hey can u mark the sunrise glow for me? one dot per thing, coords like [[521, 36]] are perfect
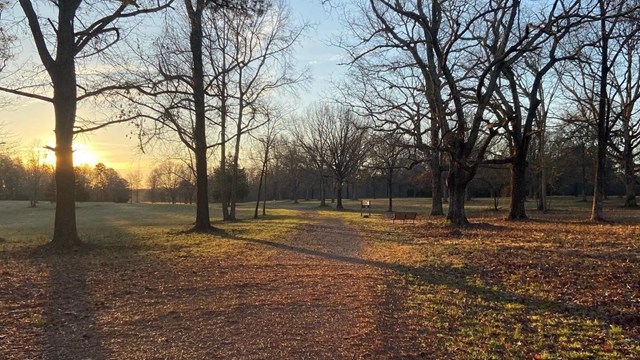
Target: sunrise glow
[[83, 154]]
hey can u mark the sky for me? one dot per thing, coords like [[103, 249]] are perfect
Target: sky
[[32, 122]]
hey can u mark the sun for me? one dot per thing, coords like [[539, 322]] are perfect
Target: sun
[[83, 154]]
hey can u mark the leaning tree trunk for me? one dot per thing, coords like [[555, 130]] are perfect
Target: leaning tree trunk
[[518, 188]]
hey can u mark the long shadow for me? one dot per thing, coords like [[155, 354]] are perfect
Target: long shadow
[[456, 278], [71, 327]]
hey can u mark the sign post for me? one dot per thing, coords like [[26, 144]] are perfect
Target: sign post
[[365, 204]]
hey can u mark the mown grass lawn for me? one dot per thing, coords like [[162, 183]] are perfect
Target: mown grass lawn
[[553, 287]]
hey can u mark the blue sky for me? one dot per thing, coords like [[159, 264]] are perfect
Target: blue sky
[[33, 120]]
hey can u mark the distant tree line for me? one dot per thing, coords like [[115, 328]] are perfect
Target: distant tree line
[[35, 181], [388, 166]]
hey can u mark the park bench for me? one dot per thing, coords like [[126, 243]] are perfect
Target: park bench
[[404, 216]]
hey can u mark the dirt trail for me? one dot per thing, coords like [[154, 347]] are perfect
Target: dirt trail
[[319, 298]]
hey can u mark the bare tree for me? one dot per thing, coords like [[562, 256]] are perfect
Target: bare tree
[[334, 141], [388, 153], [624, 142], [36, 168], [613, 28], [250, 57], [465, 54], [82, 30], [267, 141], [393, 98], [134, 178], [520, 90], [170, 174]]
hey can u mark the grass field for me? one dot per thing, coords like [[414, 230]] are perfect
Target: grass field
[[306, 282]]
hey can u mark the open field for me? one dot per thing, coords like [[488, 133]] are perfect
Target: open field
[[315, 283]]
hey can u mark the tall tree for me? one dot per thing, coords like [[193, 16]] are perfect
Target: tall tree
[[36, 168], [336, 141], [267, 141], [624, 98], [82, 29], [613, 27], [394, 100], [467, 54], [250, 55]]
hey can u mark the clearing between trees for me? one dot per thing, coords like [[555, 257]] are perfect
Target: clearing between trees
[[311, 283]]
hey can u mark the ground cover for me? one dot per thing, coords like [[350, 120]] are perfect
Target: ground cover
[[316, 283]]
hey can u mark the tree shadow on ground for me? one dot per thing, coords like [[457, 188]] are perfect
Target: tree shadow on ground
[[456, 278], [71, 327]]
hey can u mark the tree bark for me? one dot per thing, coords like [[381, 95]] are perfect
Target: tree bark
[[629, 183], [597, 209], [255, 213], [65, 233], [63, 76], [203, 222], [339, 195], [518, 188], [457, 181], [436, 176], [390, 188]]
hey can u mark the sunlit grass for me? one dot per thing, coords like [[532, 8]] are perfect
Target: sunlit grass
[[556, 287]]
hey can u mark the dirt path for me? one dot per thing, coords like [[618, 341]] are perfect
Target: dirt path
[[317, 297]]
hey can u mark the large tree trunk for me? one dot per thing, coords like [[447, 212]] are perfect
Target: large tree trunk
[[518, 188], [457, 183], [436, 178], [63, 76], [203, 223], [339, 195], [65, 231], [597, 210]]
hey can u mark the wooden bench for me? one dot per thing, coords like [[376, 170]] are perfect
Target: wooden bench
[[404, 216]]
